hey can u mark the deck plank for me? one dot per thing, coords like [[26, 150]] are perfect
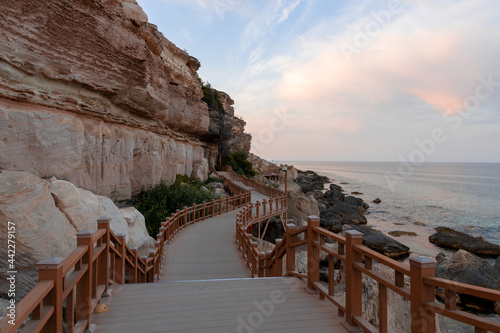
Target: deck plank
[[274, 305]]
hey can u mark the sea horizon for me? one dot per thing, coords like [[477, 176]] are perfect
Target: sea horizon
[[463, 196]]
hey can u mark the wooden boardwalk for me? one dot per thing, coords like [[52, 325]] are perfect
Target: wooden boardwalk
[[205, 287], [238, 305]]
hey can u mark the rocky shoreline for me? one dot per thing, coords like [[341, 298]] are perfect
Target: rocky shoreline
[[340, 211]]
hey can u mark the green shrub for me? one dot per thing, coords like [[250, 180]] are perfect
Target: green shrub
[[210, 96], [160, 201], [212, 179], [240, 164]]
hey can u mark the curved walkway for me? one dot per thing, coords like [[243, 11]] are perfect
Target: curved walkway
[[206, 287], [206, 250]]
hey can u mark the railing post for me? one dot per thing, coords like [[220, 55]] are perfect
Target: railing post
[[257, 204], [151, 271], [103, 260], [278, 269], [262, 264], [255, 260], [144, 277], [204, 208], [84, 287], [52, 269], [120, 263], [269, 268], [290, 251], [353, 296], [422, 321], [157, 259], [312, 254], [185, 217], [132, 272]]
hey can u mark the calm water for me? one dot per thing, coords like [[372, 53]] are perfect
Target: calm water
[[462, 196]]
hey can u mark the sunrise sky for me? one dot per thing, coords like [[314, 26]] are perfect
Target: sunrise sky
[[350, 80]]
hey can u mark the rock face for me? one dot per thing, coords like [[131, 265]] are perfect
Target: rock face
[[47, 216], [226, 130], [300, 205], [310, 181], [95, 87], [468, 268], [450, 238]]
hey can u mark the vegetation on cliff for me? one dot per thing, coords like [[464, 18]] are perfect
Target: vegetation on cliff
[[210, 96], [240, 163], [160, 201]]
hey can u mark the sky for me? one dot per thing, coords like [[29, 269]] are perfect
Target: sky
[[325, 80]]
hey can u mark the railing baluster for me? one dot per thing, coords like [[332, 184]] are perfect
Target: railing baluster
[[278, 261], [312, 254], [84, 286], [422, 320], [353, 277], [290, 251], [102, 261], [52, 269]]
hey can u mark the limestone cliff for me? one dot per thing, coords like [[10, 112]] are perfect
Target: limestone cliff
[[227, 130], [92, 93]]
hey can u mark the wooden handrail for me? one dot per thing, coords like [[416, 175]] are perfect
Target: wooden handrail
[[102, 258], [358, 260]]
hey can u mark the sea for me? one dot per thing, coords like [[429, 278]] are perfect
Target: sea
[[461, 196]]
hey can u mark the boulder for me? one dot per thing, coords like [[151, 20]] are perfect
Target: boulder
[[440, 256], [82, 208], [450, 238], [48, 214], [310, 181], [136, 229], [357, 203], [381, 243], [215, 185], [377, 201], [330, 223], [345, 214], [300, 205], [41, 229], [468, 268]]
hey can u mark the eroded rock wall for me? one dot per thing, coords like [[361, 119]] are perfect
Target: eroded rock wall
[[92, 93]]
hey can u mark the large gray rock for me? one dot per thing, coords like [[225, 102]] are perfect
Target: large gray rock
[[310, 181], [47, 216], [450, 238], [344, 214], [136, 230], [41, 229], [300, 205], [356, 203], [379, 242], [468, 268]]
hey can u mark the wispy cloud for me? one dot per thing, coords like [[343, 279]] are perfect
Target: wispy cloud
[[272, 15]]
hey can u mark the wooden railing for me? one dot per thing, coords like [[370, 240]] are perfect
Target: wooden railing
[[100, 259], [262, 188], [359, 260]]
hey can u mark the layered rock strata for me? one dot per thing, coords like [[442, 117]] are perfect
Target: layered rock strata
[[92, 93]]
